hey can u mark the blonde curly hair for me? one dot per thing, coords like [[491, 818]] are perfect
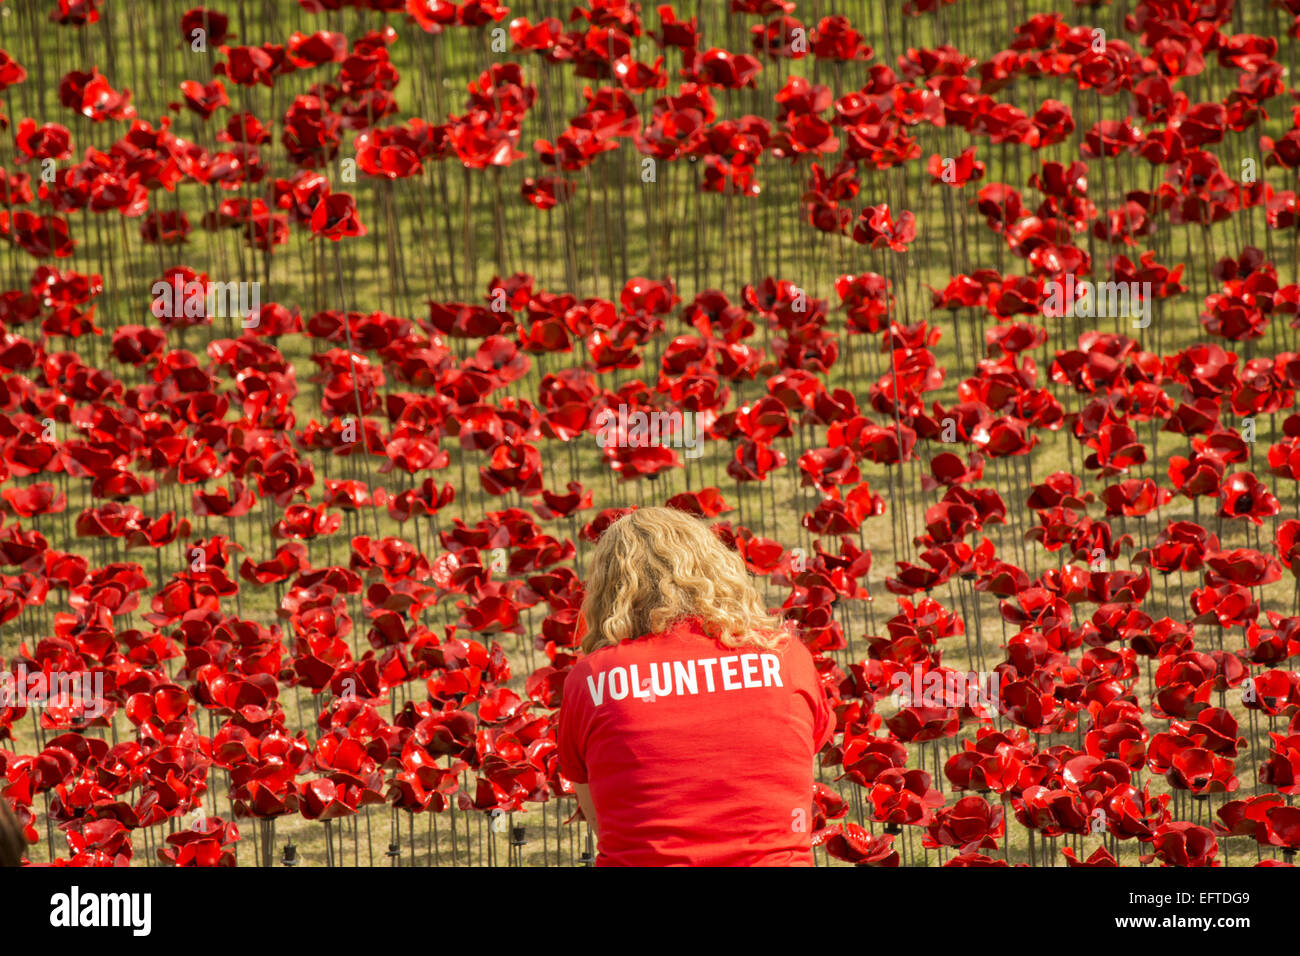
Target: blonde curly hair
[[655, 566]]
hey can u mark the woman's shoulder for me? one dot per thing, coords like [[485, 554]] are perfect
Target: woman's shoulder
[[691, 633], [593, 660], [799, 657], [782, 641]]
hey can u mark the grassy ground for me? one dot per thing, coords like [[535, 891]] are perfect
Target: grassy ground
[[618, 227]]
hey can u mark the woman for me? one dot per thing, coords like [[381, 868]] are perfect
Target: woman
[[12, 844], [690, 727]]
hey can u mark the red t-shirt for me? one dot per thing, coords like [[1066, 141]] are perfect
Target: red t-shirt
[[696, 753]]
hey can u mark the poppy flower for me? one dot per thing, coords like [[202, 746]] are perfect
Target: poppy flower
[[204, 98], [1242, 495], [876, 226], [1228, 605], [1180, 843], [719, 67], [835, 39], [957, 171], [48, 141], [40, 236], [971, 823], [215, 25], [335, 217], [547, 192], [90, 95], [851, 843], [11, 71], [1134, 497]]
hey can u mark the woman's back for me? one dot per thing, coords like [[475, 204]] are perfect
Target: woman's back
[[696, 752]]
